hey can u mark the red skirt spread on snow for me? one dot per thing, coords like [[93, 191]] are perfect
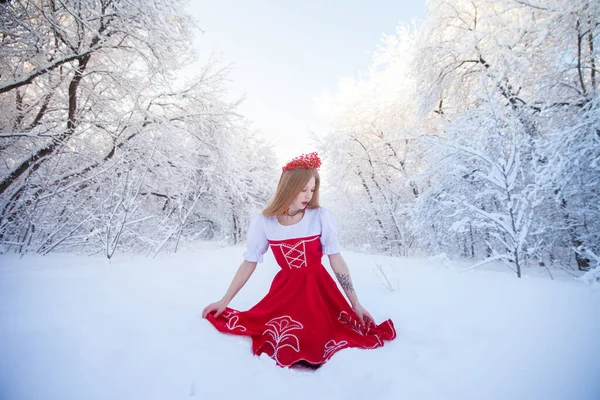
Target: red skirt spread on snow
[[304, 316]]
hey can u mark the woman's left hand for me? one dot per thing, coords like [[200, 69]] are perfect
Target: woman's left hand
[[363, 315]]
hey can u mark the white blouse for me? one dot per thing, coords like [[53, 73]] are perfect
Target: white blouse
[[316, 221]]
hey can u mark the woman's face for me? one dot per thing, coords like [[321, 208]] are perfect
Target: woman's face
[[301, 201]]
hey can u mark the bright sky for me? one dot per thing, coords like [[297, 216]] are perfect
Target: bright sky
[[284, 54]]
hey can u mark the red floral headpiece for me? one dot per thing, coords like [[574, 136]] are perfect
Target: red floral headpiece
[[308, 161]]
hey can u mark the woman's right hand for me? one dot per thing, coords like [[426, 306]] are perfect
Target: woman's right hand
[[218, 307]]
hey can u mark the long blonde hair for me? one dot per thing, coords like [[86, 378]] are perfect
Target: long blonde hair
[[291, 183]]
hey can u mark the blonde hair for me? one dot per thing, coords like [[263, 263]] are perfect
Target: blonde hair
[[291, 183]]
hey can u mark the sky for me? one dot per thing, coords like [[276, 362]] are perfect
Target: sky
[[284, 55]]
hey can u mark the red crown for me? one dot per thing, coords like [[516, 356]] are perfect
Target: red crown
[[307, 161]]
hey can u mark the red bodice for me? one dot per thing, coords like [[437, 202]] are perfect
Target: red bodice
[[297, 254]]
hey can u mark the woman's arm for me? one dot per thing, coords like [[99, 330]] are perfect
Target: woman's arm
[[342, 273], [242, 275]]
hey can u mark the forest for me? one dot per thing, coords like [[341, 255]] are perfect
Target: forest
[[475, 133]]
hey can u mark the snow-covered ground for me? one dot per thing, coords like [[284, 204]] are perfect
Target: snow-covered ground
[[76, 327]]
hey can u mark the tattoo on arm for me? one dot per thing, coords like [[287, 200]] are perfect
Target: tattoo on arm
[[345, 282]]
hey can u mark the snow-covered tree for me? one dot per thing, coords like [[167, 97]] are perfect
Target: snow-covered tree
[[103, 145], [496, 103], [485, 191], [367, 151]]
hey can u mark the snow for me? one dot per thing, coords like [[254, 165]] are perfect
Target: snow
[[77, 327]]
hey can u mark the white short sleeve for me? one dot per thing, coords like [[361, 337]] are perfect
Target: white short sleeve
[[257, 243], [329, 235]]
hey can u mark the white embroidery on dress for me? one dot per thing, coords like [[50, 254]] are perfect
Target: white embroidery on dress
[[378, 344], [232, 321], [331, 347], [392, 328], [232, 324], [281, 326], [295, 255], [354, 324], [363, 330]]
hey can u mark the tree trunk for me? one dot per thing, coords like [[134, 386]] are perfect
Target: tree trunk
[[35, 161]]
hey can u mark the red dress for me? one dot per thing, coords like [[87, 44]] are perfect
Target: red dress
[[304, 316]]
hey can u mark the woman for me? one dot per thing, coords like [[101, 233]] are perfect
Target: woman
[[304, 319]]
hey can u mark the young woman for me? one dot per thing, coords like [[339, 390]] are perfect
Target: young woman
[[304, 319]]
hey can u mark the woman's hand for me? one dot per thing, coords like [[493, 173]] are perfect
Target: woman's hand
[[218, 307], [363, 315]]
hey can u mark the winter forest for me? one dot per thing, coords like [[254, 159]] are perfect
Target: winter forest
[[474, 133]]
